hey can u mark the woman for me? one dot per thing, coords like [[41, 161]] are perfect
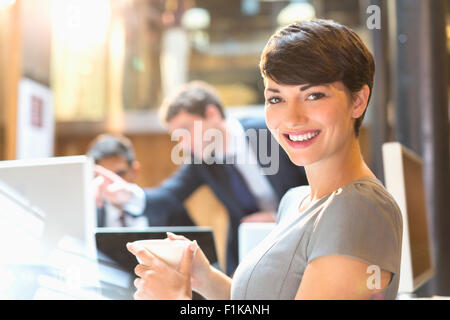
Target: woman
[[339, 237]]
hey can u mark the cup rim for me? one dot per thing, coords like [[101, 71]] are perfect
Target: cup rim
[[162, 241]]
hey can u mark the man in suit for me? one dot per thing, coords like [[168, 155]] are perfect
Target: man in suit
[[239, 160]]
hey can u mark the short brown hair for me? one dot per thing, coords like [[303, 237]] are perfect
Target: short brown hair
[[193, 98], [318, 52]]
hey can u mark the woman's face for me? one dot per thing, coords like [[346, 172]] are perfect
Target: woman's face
[[311, 123]]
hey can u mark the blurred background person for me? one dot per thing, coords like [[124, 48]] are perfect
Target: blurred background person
[[116, 154], [115, 157]]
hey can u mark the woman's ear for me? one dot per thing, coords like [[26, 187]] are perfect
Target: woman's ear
[[360, 101]]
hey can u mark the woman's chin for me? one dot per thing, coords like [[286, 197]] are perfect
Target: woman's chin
[[300, 161]]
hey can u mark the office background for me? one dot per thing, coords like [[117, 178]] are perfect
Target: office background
[[109, 63]]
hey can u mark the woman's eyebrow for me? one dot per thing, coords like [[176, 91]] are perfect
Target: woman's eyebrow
[[312, 85], [306, 87]]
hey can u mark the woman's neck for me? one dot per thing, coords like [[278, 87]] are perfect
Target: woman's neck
[[336, 171]]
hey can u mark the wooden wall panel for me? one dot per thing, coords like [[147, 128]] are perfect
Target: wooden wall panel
[[206, 210], [152, 151], [10, 71]]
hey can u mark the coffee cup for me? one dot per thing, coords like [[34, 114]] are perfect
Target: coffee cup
[[170, 251]]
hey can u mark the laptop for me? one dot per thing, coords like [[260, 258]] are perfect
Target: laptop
[[57, 191]]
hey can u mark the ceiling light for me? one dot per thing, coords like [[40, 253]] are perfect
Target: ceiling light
[[297, 10], [196, 19]]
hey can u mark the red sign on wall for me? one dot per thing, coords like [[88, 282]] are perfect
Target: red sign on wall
[[37, 112]]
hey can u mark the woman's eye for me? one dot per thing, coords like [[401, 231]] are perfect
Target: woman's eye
[[274, 100], [315, 96]]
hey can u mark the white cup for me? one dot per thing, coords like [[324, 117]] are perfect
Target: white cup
[[170, 251]]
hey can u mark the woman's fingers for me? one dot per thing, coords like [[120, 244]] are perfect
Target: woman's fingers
[[138, 283], [143, 254], [186, 260], [143, 271], [173, 236]]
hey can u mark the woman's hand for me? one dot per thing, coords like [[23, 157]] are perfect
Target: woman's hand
[[205, 279], [159, 281], [201, 266]]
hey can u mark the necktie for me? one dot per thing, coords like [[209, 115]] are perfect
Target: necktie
[[122, 218], [240, 190]]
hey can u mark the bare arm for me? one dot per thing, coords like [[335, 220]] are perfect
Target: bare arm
[[215, 286], [340, 277]]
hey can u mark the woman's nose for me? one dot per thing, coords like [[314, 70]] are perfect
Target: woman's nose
[[296, 114]]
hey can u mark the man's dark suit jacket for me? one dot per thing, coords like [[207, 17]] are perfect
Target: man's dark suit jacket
[[165, 203]]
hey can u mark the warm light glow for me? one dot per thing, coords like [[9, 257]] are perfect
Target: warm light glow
[[82, 23], [296, 11], [6, 3], [196, 19], [80, 34]]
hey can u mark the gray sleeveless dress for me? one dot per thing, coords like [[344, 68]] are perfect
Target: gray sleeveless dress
[[360, 220]]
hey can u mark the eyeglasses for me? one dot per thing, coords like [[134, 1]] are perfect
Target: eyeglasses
[[122, 173]]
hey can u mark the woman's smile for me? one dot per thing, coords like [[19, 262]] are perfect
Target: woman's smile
[[301, 139]]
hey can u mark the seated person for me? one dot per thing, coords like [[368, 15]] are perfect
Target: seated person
[[116, 154], [247, 193]]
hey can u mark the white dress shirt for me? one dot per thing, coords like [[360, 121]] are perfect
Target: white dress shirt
[[247, 165], [134, 208]]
